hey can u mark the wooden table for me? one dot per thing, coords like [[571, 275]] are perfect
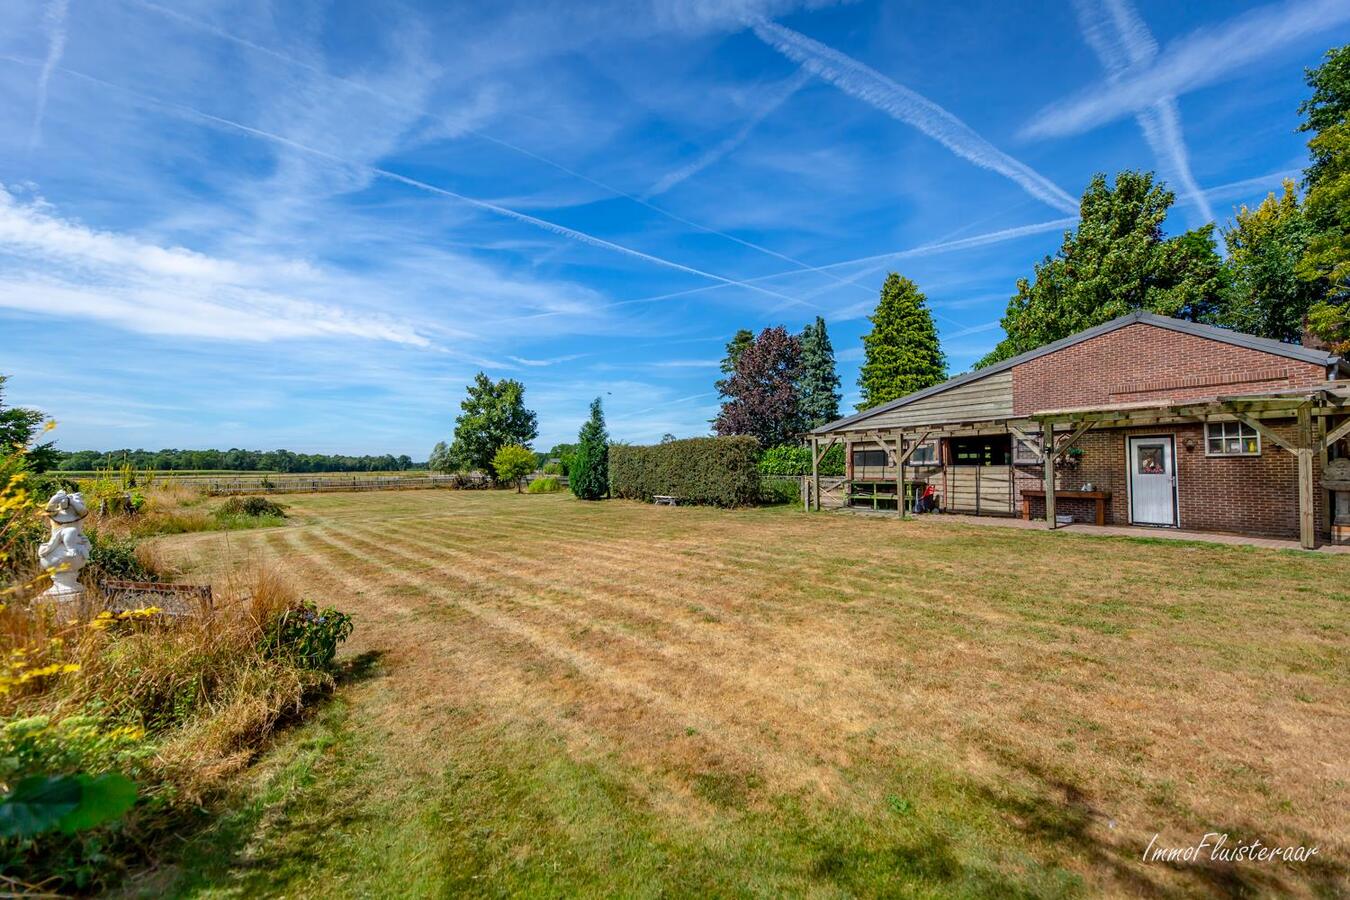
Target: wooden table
[[1101, 497]]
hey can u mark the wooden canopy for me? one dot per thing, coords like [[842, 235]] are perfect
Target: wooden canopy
[[1322, 414]]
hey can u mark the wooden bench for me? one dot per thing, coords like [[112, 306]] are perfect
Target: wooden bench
[[1100, 499], [172, 599], [665, 500]]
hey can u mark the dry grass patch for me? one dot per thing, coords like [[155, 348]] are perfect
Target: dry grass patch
[[618, 698]]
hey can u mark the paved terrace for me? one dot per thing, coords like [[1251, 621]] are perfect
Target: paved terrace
[[1134, 531]]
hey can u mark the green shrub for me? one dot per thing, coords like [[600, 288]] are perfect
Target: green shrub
[[554, 468], [66, 778], [306, 635], [115, 558], [549, 484], [716, 471], [781, 489], [788, 460], [251, 506]]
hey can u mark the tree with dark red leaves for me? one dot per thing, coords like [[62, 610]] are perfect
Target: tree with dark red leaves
[[761, 395]]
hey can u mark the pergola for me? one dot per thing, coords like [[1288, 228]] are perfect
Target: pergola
[[1322, 415]]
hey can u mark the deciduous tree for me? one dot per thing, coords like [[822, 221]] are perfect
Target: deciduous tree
[[512, 463], [1327, 206], [762, 393], [589, 474], [818, 389], [1116, 261], [19, 428], [902, 352], [1267, 297], [493, 416], [440, 459]]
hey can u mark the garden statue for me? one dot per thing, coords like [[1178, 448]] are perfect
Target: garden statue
[[66, 552]]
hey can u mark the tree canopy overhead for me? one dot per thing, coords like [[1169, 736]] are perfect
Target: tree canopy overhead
[[1266, 296], [902, 352], [818, 387], [493, 416], [1117, 260], [1326, 262], [19, 428], [761, 395]]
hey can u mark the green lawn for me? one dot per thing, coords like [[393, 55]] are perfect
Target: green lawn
[[550, 698]]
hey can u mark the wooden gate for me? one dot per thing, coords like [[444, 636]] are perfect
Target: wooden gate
[[981, 490]]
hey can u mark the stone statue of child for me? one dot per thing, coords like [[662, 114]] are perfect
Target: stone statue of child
[[66, 552]]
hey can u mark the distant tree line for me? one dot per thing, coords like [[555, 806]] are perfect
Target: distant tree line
[[235, 460]]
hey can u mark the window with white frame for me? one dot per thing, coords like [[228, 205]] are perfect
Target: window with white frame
[[1231, 439], [926, 454]]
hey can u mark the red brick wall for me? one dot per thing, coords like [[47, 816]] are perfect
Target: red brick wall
[[1142, 363], [1241, 494]]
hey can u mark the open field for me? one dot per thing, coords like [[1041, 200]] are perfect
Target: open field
[[619, 699]]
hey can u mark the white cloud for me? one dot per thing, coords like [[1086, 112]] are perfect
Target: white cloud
[[1204, 57], [905, 105]]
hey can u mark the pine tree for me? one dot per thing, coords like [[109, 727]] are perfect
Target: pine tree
[[735, 347], [588, 475], [818, 389], [902, 353]]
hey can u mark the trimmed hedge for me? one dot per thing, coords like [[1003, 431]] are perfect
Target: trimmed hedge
[[797, 461], [714, 471]]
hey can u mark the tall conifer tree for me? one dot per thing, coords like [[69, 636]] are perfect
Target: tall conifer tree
[[902, 350], [588, 474], [818, 389]]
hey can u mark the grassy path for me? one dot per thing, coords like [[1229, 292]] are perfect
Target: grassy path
[[554, 698]]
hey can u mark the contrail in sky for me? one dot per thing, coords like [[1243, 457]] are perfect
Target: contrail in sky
[[1123, 43], [779, 97], [55, 20], [899, 102], [1204, 57], [507, 145], [555, 228]]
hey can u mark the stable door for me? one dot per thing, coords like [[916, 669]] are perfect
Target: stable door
[[1153, 481]]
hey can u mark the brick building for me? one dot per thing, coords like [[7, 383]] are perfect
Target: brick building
[[1149, 421]]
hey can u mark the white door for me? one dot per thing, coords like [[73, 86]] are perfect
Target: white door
[[1153, 481]]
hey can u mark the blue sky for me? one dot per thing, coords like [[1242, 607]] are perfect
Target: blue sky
[[307, 225]]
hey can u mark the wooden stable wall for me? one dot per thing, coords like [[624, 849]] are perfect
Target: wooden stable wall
[[984, 398]]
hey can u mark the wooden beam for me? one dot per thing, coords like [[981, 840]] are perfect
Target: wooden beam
[[1048, 435], [1265, 432], [834, 439], [1073, 438], [1335, 434], [1026, 439], [899, 473], [914, 445], [1307, 520]]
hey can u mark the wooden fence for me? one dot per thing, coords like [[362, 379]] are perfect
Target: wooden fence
[[308, 484]]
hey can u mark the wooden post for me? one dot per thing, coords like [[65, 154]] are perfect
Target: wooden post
[[814, 490], [1307, 516], [1048, 454], [900, 475]]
